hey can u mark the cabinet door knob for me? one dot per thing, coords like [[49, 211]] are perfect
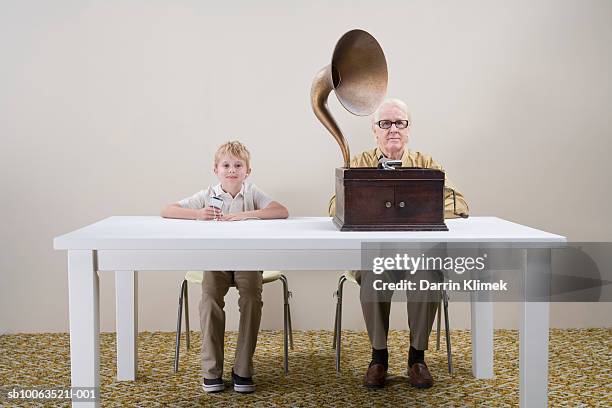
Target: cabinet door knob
[[402, 204], [388, 204]]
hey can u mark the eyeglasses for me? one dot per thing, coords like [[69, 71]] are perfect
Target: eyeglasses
[[399, 124]]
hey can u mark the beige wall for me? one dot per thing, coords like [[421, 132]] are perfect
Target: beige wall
[[115, 109]]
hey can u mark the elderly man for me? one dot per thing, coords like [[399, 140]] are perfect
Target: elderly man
[[391, 128]]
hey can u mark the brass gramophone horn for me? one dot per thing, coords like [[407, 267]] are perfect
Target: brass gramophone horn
[[358, 74]]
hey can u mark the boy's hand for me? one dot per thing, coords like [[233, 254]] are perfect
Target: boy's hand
[[208, 213], [234, 217]]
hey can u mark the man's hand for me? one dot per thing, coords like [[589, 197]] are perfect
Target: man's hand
[[208, 213]]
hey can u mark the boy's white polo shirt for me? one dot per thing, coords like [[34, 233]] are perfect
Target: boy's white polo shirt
[[231, 204]]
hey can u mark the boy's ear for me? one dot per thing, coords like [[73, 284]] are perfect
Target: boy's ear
[[215, 169], [248, 172]]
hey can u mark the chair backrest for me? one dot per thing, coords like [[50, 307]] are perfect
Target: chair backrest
[[351, 276], [194, 277]]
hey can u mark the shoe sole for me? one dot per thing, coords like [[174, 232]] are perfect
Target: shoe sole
[[244, 389], [421, 386], [213, 388]]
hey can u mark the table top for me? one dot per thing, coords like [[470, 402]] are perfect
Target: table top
[[157, 233]]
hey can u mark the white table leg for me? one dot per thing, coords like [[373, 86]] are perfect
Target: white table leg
[[482, 337], [533, 335], [126, 288], [83, 293]]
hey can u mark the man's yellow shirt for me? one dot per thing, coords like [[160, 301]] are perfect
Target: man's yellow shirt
[[369, 158]]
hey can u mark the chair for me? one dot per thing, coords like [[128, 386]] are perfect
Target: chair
[[197, 277], [350, 276]]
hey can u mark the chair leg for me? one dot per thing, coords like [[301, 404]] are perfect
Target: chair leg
[[338, 329], [290, 327], [178, 326], [439, 323], [283, 279], [447, 333], [187, 331], [335, 321], [289, 294]]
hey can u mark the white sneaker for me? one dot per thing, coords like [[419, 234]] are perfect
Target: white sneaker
[[214, 385], [243, 385]]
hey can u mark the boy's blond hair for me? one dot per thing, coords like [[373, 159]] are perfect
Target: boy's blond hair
[[236, 149]]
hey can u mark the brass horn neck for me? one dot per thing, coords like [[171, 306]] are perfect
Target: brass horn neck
[[322, 85], [358, 74]]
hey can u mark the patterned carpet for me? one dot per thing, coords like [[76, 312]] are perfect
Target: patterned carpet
[[580, 371]]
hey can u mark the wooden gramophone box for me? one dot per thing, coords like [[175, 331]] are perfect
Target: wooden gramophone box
[[404, 199]]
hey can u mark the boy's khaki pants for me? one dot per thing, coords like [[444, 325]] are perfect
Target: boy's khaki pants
[[212, 320]]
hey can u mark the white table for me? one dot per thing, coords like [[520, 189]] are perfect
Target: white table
[[130, 244]]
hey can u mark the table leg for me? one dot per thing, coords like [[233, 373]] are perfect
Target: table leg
[[126, 288], [84, 302], [482, 337], [533, 331]]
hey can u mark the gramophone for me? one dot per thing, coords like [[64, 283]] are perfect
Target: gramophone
[[372, 199]]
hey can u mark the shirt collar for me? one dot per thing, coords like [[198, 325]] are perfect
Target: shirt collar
[[218, 190], [405, 154]]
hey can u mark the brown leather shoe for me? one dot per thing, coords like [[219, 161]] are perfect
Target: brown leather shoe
[[419, 376], [375, 376]]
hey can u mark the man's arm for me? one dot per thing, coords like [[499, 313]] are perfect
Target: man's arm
[[457, 207], [453, 207], [331, 208]]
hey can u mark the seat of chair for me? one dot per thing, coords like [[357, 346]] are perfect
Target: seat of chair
[[351, 276], [198, 276]]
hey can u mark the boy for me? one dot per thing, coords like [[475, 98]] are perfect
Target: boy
[[241, 200]]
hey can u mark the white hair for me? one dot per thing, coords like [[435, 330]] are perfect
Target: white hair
[[391, 102]]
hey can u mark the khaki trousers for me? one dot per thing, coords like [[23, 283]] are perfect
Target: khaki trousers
[[422, 308], [212, 320]]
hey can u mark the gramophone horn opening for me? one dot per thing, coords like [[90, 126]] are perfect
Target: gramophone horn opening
[[362, 69]]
